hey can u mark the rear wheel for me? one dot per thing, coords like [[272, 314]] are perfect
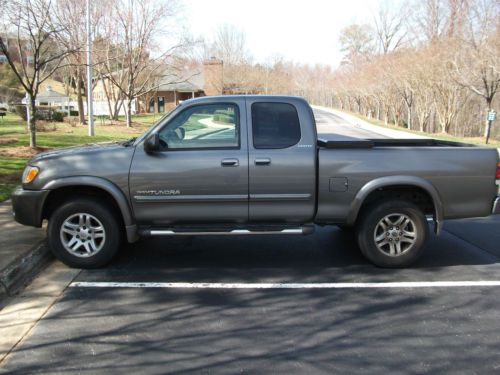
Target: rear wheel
[[84, 233], [392, 233]]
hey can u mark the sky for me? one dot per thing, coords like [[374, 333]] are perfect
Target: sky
[[304, 31]]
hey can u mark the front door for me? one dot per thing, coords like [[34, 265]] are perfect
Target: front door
[[201, 173], [161, 104]]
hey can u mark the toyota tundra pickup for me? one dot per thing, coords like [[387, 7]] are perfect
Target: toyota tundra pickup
[[253, 165]]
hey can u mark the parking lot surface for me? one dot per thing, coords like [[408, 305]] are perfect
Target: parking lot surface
[[141, 326]]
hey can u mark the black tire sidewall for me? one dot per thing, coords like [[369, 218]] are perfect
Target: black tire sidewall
[[104, 214], [370, 218]]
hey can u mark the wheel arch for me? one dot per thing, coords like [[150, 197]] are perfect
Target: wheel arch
[[71, 186], [398, 184]]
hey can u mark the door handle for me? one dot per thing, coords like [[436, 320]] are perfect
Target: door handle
[[230, 162], [262, 161]]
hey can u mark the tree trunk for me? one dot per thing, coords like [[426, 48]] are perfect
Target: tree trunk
[[128, 111], [32, 120], [487, 129], [408, 120], [79, 99]]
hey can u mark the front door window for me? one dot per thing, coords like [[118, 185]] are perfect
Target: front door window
[[203, 126]]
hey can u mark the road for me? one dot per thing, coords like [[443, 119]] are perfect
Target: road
[[329, 123], [266, 316]]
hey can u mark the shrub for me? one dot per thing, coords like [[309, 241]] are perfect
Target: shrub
[[20, 109], [73, 113], [57, 116], [219, 117]]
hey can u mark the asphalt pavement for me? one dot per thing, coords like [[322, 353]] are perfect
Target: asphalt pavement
[[330, 123], [250, 305]]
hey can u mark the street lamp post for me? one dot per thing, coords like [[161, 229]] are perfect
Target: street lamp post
[[90, 110]]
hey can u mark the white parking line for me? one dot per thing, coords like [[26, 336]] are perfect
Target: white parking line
[[403, 284]]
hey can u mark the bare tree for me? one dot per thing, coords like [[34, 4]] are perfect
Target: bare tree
[[30, 48], [356, 43], [230, 45], [137, 63], [390, 26], [477, 66], [430, 17], [69, 14]]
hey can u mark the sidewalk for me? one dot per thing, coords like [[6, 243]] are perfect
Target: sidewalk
[[22, 251], [365, 125]]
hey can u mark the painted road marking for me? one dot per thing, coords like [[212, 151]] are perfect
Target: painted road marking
[[403, 284]]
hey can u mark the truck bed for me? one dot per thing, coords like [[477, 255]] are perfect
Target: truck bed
[[336, 141], [464, 175]]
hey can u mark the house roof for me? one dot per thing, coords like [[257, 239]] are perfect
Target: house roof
[[186, 81], [50, 95]]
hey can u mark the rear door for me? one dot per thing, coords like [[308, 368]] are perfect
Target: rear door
[[282, 160], [201, 173]]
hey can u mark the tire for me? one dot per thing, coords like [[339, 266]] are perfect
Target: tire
[[392, 234], [84, 233]]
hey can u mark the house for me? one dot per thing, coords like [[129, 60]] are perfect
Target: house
[[191, 82]]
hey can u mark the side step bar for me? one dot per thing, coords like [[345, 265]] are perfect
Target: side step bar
[[233, 232]]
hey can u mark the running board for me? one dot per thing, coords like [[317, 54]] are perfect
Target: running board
[[233, 232]]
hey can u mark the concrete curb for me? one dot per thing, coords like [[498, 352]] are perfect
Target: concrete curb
[[23, 269]]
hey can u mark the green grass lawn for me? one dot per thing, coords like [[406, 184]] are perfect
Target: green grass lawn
[[144, 118], [14, 142], [441, 136]]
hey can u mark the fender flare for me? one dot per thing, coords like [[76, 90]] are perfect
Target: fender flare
[[409, 181], [107, 186]]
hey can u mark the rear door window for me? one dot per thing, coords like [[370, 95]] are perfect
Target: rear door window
[[275, 125]]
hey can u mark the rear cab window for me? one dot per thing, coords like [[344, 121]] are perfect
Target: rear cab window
[[275, 125]]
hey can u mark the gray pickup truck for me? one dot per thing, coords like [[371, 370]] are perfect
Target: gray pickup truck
[[243, 165]]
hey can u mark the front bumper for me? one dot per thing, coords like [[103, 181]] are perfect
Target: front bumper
[[496, 206], [27, 206]]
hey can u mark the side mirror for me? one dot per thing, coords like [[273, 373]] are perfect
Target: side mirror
[[152, 143]]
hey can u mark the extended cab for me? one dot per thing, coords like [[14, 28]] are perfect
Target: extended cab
[[235, 165]]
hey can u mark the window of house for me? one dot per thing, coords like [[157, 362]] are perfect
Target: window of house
[[274, 125], [151, 108], [203, 126]]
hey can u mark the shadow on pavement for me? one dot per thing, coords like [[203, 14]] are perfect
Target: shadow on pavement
[[326, 256]]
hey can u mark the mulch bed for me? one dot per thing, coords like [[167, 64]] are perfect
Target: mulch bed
[[22, 151]]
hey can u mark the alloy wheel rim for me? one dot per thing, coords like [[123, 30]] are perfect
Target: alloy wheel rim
[[395, 234], [82, 235]]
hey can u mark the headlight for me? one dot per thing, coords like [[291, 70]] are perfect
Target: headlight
[[29, 174]]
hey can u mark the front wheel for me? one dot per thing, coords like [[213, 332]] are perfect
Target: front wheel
[[84, 234], [392, 233]]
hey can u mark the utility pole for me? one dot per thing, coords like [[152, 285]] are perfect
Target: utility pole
[[90, 110]]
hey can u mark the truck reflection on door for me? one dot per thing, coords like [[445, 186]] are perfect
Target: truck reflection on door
[[161, 104]]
